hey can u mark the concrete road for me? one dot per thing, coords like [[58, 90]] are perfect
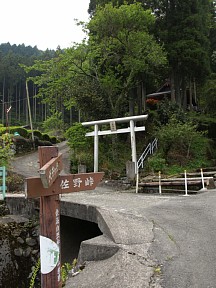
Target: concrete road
[[164, 241], [185, 240], [28, 165]]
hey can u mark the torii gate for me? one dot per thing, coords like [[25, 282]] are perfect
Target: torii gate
[[113, 130]]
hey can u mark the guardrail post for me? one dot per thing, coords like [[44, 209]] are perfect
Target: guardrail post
[[159, 182], [186, 193], [203, 185]]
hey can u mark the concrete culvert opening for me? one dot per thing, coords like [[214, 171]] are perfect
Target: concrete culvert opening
[[73, 232]]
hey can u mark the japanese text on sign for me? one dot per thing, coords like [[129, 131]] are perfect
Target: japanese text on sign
[[65, 183], [57, 214], [53, 172]]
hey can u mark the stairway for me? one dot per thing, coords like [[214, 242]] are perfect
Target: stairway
[[149, 150]]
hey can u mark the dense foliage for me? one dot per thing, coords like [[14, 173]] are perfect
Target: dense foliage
[[13, 79], [132, 48], [81, 147], [182, 146], [5, 150]]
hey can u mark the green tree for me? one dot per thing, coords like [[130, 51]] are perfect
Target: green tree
[[54, 124], [183, 27], [123, 50], [209, 96], [80, 145], [99, 76], [12, 80]]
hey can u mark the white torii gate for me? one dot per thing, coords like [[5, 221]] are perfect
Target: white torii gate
[[113, 130]]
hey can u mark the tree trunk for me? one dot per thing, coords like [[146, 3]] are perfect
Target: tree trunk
[[139, 99], [172, 84], [143, 93], [190, 95], [195, 92], [131, 102]]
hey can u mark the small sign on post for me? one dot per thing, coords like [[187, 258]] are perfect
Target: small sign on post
[[50, 171], [48, 187]]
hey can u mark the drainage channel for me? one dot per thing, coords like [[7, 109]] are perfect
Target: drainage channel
[[73, 232]]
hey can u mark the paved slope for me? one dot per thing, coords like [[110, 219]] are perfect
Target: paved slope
[[28, 165]]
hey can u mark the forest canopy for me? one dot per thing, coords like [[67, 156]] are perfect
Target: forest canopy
[[132, 49]]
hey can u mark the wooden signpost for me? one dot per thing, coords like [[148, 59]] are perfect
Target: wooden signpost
[[48, 187]]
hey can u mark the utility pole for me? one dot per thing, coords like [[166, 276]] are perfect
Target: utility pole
[[29, 109]]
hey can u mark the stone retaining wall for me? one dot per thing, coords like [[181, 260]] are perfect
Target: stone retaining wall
[[19, 250]]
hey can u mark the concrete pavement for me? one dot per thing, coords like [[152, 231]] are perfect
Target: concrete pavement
[[161, 241], [28, 165]]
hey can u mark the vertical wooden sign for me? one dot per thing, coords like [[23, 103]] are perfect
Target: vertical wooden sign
[[50, 221]]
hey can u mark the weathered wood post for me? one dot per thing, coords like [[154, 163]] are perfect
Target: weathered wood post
[[48, 187], [50, 215]]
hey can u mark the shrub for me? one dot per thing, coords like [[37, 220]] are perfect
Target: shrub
[[22, 144], [39, 142], [180, 143], [14, 182], [54, 125], [2, 130], [53, 139], [37, 134], [22, 131], [157, 163], [167, 109], [80, 146], [46, 137], [6, 153], [76, 137]]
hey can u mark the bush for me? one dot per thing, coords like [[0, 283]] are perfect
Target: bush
[[53, 139], [181, 143], [22, 131], [37, 134], [2, 130], [5, 150], [22, 144], [54, 125], [39, 142], [76, 137], [166, 109], [157, 163], [81, 148], [14, 182], [45, 137]]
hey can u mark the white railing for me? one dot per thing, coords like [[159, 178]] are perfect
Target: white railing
[[148, 150]]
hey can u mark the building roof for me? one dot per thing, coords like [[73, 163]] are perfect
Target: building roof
[[158, 94]]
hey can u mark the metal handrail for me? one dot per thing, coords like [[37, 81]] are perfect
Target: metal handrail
[[148, 150]]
